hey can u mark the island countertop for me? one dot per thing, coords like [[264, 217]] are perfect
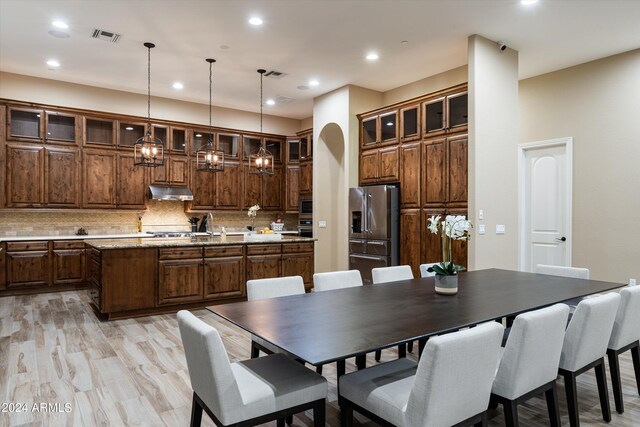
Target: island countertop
[[105, 244]]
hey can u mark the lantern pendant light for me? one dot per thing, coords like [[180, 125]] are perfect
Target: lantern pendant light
[[148, 151], [209, 158], [261, 162]]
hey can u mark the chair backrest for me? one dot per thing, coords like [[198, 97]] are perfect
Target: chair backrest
[[391, 274], [532, 354], [274, 288], [454, 377], [626, 328], [556, 270], [336, 280], [588, 333], [424, 268], [209, 368]]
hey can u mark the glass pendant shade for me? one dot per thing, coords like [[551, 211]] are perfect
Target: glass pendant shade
[[209, 158], [261, 163], [148, 151]]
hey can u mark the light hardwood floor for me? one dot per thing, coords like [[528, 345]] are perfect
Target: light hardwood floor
[[53, 349]]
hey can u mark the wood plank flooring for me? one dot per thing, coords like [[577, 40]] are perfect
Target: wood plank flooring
[[133, 372]]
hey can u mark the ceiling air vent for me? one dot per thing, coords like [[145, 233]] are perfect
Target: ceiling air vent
[[283, 99], [107, 36], [275, 74]]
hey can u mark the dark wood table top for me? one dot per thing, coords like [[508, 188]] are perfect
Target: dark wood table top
[[323, 327]]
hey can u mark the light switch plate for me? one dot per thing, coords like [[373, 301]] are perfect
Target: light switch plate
[[481, 215], [481, 229], [322, 224], [500, 229]]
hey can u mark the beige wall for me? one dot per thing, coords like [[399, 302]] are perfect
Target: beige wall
[[598, 104], [493, 138], [306, 123], [427, 85], [33, 89]]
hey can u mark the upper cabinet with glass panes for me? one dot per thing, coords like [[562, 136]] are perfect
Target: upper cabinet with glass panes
[[444, 114], [229, 143], [379, 129], [306, 144], [129, 132], [31, 125], [200, 138]]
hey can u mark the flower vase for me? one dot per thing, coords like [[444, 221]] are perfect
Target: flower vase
[[446, 285]]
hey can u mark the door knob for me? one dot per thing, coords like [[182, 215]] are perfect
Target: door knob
[[562, 239]]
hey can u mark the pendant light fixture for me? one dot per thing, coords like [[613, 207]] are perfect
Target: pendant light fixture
[[209, 158], [148, 151], [261, 163]]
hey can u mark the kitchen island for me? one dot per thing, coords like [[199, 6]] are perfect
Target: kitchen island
[[135, 277]]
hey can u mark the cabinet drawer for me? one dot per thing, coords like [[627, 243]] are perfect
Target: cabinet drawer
[[223, 251], [180, 253], [263, 249], [289, 248], [41, 245], [68, 244]]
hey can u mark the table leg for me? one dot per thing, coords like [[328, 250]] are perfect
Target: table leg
[[341, 367], [361, 361]]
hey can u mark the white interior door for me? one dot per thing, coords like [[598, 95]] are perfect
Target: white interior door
[[545, 203]]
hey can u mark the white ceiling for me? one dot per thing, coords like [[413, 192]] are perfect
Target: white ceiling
[[306, 39]]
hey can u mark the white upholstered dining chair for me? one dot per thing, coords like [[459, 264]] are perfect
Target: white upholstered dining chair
[[529, 364], [625, 336], [573, 272], [333, 280], [584, 347], [391, 274], [250, 392], [258, 289], [448, 386], [424, 270]]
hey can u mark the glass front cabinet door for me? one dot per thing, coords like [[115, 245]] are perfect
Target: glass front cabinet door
[[410, 123], [24, 124]]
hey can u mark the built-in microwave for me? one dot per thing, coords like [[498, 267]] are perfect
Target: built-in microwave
[[305, 228], [306, 207]]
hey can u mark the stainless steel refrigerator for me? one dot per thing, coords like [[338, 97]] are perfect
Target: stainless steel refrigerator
[[375, 228]]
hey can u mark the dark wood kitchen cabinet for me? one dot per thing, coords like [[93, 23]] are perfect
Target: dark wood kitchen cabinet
[[411, 231], [179, 280], [25, 178], [432, 243], [272, 190], [224, 272], [292, 190], [306, 178], [25, 124], [99, 179], [263, 266], [61, 128], [445, 113], [380, 166], [379, 129], [27, 264], [62, 177], [69, 260], [131, 183], [410, 123], [99, 132], [457, 163], [410, 175], [203, 188], [174, 172], [252, 188], [297, 260], [228, 193], [434, 173]]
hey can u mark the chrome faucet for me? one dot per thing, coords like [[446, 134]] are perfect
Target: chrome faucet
[[210, 224]]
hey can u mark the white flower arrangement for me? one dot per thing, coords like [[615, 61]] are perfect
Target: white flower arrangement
[[452, 228], [253, 211]]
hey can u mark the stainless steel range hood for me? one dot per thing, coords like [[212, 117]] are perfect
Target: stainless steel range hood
[[158, 192]]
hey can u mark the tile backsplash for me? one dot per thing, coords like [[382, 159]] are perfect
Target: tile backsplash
[[159, 216]]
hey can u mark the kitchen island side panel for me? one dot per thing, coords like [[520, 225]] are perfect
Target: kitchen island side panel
[[129, 279]]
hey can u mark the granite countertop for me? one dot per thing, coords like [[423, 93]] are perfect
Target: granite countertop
[[108, 236], [187, 241]]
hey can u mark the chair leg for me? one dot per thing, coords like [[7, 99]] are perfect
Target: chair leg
[[361, 361], [552, 406], [421, 344], [346, 415], [410, 346], [255, 351], [289, 420], [196, 413], [603, 391], [378, 355], [635, 354], [484, 420], [511, 413], [614, 367], [493, 402], [319, 413], [572, 398], [341, 367], [319, 369], [402, 351], [280, 422]]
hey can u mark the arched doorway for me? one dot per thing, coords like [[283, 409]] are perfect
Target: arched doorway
[[330, 196]]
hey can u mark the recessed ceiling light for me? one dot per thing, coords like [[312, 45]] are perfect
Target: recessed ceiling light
[[372, 56], [255, 21], [178, 85], [404, 42], [271, 102], [313, 82], [53, 63], [60, 24], [198, 135], [59, 34], [129, 128], [528, 2]]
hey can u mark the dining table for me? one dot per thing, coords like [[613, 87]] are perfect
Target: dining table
[[331, 326]]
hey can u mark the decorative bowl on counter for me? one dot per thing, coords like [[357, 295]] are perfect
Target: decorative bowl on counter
[[277, 226], [255, 237]]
